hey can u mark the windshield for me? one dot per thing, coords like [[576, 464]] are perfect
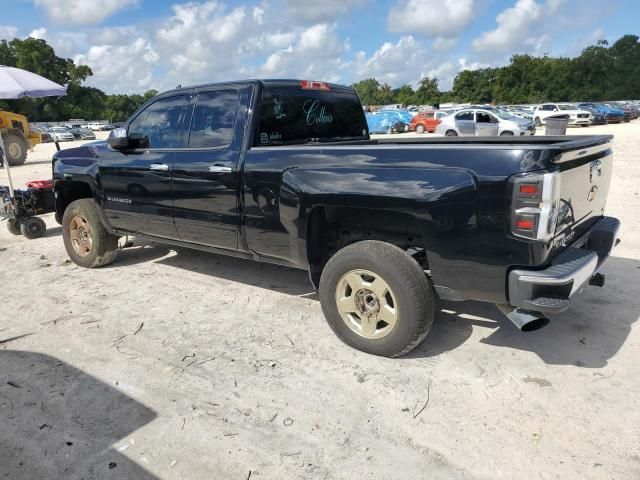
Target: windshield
[[504, 115], [294, 115], [567, 107]]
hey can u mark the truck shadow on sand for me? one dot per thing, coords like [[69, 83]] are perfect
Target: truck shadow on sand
[[587, 335], [60, 422]]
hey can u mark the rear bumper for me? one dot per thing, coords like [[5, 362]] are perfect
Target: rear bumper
[[555, 288]]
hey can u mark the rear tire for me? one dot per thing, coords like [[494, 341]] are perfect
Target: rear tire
[[451, 133], [538, 122], [377, 298], [33, 228], [86, 240], [13, 226], [15, 148], [506, 134], [420, 129]]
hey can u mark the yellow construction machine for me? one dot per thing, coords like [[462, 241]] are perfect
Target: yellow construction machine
[[18, 137]]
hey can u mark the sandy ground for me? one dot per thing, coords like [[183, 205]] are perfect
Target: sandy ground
[[174, 364]]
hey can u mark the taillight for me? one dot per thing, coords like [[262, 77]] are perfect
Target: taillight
[[534, 205], [313, 85]]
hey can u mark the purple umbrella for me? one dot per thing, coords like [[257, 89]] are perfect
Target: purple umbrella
[[18, 83]]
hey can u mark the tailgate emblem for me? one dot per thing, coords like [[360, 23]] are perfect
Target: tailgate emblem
[[595, 170]]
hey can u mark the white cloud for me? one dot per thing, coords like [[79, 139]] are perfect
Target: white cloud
[[121, 68], [38, 33], [323, 10], [443, 44], [430, 18], [82, 12], [8, 32], [519, 28]]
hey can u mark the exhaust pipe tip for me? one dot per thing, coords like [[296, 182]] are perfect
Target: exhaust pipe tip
[[524, 320]]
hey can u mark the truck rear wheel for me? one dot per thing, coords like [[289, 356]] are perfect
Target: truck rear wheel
[[15, 148], [377, 298], [86, 240]]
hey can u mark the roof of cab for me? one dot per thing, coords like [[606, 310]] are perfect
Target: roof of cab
[[270, 82]]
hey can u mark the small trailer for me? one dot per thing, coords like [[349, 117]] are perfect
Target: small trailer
[[21, 209]]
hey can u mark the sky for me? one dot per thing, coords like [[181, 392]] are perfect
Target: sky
[[136, 45]]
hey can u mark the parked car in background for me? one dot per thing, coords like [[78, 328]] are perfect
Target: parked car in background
[[613, 114], [597, 118], [577, 116], [389, 121], [60, 134], [482, 122], [628, 111], [424, 122], [83, 134], [95, 126]]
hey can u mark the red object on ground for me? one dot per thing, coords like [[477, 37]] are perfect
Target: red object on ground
[[41, 184]]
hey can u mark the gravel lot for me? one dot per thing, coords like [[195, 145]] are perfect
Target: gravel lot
[[174, 364]]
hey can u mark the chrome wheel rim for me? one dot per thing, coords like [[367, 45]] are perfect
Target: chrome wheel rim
[[81, 235], [366, 304]]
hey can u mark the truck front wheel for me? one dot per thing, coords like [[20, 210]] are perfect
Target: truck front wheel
[[86, 240], [377, 298]]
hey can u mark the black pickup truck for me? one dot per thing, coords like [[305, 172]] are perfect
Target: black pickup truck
[[284, 171]]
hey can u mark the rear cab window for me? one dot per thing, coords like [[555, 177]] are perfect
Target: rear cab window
[[304, 112]]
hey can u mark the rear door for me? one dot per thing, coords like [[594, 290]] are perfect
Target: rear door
[[136, 182], [206, 174], [465, 123]]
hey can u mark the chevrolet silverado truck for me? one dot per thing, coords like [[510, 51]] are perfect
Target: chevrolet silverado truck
[[284, 171]]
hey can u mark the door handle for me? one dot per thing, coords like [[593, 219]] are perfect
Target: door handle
[[162, 167], [220, 169]]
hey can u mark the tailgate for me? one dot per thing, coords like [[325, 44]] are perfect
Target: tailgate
[[584, 185]]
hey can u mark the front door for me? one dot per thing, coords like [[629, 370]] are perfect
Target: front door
[[205, 175], [486, 124], [136, 182]]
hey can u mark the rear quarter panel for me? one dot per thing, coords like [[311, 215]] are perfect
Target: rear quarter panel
[[457, 196]]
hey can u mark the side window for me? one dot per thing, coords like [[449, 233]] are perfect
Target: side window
[[163, 124], [483, 117], [213, 119], [464, 116]]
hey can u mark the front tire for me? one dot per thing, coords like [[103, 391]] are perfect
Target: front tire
[[377, 298], [451, 133], [506, 134], [86, 240]]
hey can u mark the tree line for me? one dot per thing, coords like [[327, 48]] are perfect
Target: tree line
[[81, 101], [600, 72]]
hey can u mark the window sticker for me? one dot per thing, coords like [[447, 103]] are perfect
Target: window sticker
[[277, 109], [316, 113], [266, 137]]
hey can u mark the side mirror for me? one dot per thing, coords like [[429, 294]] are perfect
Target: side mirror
[[118, 138]]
